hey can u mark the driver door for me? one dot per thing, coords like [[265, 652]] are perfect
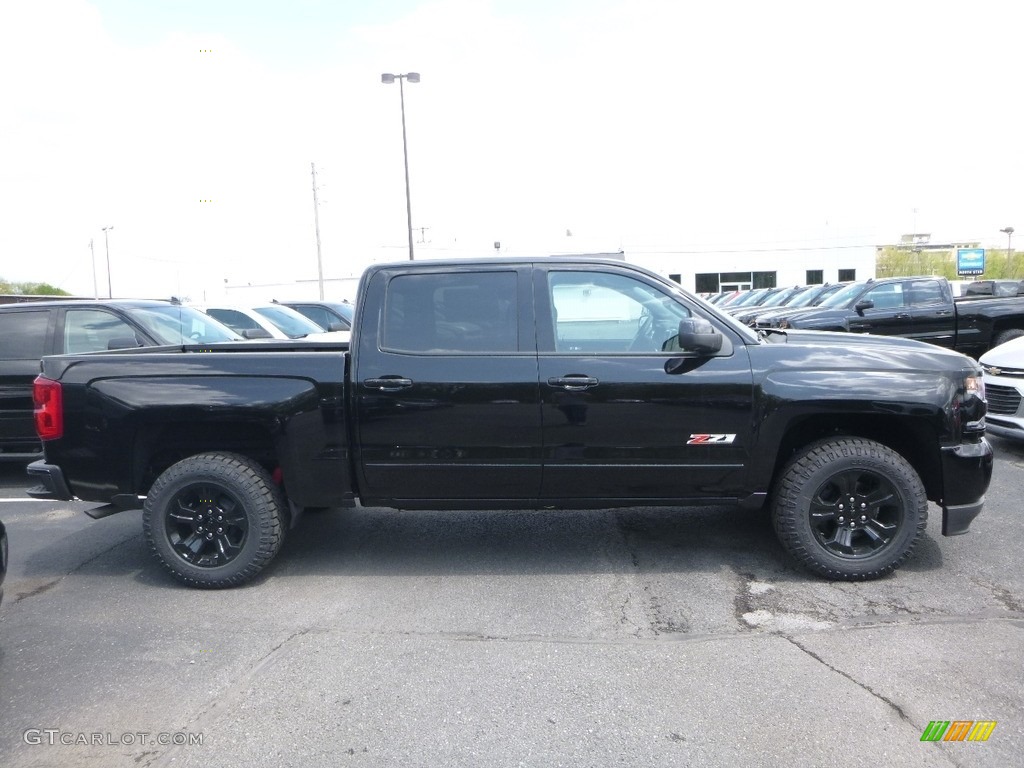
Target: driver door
[[617, 424]]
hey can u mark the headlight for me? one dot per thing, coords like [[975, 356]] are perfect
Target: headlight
[[974, 385]]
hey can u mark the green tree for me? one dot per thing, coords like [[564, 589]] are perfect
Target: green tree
[[31, 289], [899, 261]]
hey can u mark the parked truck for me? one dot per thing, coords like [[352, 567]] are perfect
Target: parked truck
[[921, 308], [542, 384]]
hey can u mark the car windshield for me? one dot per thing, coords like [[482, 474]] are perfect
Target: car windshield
[[844, 296], [780, 297], [174, 324], [294, 324], [809, 296]]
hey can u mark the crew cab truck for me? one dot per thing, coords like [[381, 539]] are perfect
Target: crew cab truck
[[921, 308], [543, 384]]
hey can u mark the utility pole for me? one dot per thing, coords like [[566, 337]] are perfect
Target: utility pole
[[106, 240], [95, 287], [316, 224]]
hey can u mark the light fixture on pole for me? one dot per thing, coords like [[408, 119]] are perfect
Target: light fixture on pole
[[1009, 250], [106, 242], [387, 79]]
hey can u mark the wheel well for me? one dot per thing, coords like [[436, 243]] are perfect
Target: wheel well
[[158, 449], [912, 438], [1004, 326]]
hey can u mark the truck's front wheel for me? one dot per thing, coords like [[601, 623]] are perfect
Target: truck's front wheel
[[849, 508], [215, 519]]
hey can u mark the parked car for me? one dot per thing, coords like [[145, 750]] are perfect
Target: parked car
[[332, 315], [813, 297], [993, 288], [3, 558], [269, 321], [919, 308], [777, 298], [30, 330], [1003, 368]]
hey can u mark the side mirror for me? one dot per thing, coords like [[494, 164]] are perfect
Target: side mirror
[[123, 342], [860, 306], [698, 335], [256, 333], [336, 326]]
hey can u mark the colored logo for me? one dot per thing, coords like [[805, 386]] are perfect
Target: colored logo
[[707, 439], [958, 730]]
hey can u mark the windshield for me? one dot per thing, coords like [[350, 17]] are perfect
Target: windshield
[[809, 296], [780, 297], [293, 323], [845, 296], [173, 324]]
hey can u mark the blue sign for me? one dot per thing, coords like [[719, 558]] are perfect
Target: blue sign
[[970, 261]]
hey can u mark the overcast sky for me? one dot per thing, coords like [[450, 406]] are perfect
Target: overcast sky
[[645, 125]]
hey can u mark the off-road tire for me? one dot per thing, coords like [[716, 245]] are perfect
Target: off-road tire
[[214, 520], [812, 504]]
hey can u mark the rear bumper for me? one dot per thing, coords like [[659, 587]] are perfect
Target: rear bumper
[[51, 482], [966, 473]]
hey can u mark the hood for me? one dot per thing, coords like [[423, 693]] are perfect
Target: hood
[[864, 351], [1008, 355], [810, 314]]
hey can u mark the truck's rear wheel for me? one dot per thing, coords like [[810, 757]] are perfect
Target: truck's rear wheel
[[849, 508], [215, 519], [1008, 335]]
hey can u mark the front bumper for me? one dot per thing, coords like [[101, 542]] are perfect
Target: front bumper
[[51, 482], [966, 473]]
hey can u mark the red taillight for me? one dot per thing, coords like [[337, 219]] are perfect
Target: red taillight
[[46, 394]]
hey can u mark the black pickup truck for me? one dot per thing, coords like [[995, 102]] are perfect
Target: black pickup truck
[[542, 383], [921, 308]]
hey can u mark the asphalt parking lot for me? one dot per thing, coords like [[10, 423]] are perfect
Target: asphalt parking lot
[[640, 637]]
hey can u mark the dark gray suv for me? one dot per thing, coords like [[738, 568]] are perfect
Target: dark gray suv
[[29, 330]]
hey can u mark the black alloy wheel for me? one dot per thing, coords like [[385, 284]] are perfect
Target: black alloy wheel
[[214, 520], [849, 508]]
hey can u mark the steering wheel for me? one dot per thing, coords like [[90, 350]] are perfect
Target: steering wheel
[[643, 341]]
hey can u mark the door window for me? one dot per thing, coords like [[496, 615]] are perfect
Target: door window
[[597, 312], [925, 293], [445, 313], [23, 334], [889, 296], [92, 330]]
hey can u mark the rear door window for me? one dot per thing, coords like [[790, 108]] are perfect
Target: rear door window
[[23, 334], [451, 313]]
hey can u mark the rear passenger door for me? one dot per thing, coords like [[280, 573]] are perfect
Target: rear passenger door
[[445, 396], [932, 316]]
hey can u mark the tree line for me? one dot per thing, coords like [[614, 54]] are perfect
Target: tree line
[[894, 261], [30, 289]]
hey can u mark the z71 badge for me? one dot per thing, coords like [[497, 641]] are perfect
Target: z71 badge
[[702, 439]]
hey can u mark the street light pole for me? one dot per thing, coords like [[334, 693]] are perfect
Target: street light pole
[[1009, 250], [95, 288], [106, 241], [387, 79]]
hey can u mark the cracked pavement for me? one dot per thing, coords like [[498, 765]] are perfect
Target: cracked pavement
[[624, 637]]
